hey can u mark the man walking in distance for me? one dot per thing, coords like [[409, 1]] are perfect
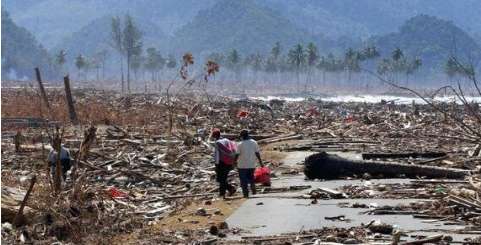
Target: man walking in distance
[[246, 157], [224, 156]]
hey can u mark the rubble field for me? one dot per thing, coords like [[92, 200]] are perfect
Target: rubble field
[[143, 170]]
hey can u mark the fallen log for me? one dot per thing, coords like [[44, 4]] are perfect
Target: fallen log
[[367, 156], [327, 166]]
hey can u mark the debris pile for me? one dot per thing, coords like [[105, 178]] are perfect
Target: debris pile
[[139, 169]]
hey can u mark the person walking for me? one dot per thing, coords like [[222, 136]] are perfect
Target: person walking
[[224, 157], [246, 156], [64, 161]]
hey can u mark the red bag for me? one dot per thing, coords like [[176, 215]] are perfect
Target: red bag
[[116, 193], [263, 176], [242, 114], [227, 152]]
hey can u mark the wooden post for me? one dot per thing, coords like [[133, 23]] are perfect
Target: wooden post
[[17, 140], [70, 102], [42, 89], [19, 217], [57, 146]]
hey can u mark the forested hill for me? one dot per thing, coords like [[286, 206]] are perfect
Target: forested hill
[[431, 39], [51, 21], [21, 52], [243, 25], [364, 18], [333, 19], [428, 29], [96, 37]]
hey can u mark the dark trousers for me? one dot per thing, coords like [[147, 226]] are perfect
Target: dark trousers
[[246, 176], [222, 173], [65, 165]]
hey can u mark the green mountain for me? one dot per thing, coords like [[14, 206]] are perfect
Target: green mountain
[[329, 18], [243, 25], [51, 21], [432, 39], [364, 18], [95, 37], [21, 53]]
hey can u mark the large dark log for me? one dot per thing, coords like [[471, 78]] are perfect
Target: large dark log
[[367, 156], [326, 166]]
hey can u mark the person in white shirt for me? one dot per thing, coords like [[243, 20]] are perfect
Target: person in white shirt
[[247, 155]]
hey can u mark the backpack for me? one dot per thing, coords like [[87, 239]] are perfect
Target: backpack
[[227, 152]]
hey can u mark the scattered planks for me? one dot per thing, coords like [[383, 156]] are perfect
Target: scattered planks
[[469, 204], [292, 136]]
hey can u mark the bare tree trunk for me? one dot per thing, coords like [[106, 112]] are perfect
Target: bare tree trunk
[[70, 102], [56, 143], [42, 89], [122, 73], [128, 74], [103, 70], [19, 217]]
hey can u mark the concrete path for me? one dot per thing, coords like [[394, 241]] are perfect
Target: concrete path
[[270, 216]]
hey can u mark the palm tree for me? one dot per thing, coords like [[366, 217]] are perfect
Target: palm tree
[[233, 63], [132, 44], [80, 63], [351, 62], [397, 54], [136, 64], [276, 51], [102, 58], [450, 68], [412, 67], [368, 55], [297, 58], [117, 44], [61, 58], [153, 62], [312, 60]]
